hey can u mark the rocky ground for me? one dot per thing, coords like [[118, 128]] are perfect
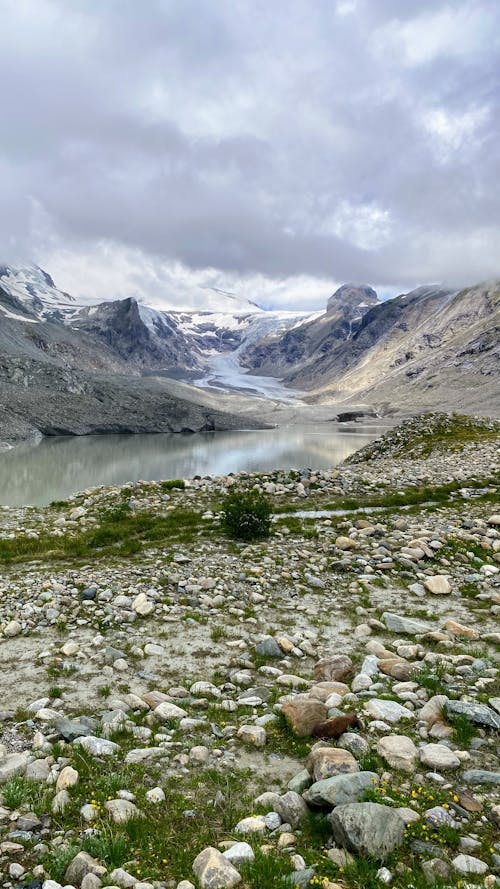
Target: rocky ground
[[320, 708]]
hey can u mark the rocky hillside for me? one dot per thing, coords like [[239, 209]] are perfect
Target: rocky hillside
[[57, 379], [309, 340], [426, 348], [319, 708]]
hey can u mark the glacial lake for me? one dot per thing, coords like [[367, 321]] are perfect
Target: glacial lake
[[57, 467]]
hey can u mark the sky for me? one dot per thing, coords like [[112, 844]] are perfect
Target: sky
[[272, 150]]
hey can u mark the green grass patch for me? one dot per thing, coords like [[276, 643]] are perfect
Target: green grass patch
[[121, 532]]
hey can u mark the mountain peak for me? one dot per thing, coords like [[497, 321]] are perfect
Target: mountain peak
[[350, 295]]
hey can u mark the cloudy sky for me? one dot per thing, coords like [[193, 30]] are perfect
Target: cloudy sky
[[160, 148]]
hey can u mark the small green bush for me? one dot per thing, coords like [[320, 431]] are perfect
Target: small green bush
[[246, 515]]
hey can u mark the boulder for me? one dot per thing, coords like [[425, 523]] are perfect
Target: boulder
[[479, 714], [439, 757], [340, 789], [368, 829]]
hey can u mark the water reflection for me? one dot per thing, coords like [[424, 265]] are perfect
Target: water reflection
[[59, 466]]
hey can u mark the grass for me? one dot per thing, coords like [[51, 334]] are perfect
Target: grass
[[463, 730], [20, 791], [280, 738], [422, 435], [120, 533], [431, 678]]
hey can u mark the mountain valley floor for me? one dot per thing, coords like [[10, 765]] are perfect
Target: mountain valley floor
[[174, 701]]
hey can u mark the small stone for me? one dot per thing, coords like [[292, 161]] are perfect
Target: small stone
[[68, 777], [252, 734]]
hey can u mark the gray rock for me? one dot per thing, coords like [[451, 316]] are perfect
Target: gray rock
[[300, 782], [239, 853], [268, 647], [479, 714], [340, 789], [70, 729], [398, 623], [368, 829], [81, 865], [301, 878], [481, 776], [13, 764], [292, 808]]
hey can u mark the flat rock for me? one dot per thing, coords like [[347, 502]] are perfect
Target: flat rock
[[479, 714], [387, 711], [439, 757], [398, 623], [340, 789]]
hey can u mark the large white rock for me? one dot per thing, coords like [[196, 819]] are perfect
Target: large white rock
[[438, 585], [439, 757], [399, 751], [388, 711], [166, 711], [213, 871]]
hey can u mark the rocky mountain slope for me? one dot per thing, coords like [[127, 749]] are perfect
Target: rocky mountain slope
[[427, 348], [278, 353], [69, 369]]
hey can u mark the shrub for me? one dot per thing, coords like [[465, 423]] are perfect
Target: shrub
[[246, 515]]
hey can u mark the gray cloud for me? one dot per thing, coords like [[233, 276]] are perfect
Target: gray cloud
[[252, 143]]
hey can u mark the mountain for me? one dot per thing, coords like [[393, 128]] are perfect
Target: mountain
[[426, 348], [66, 367], [278, 353], [72, 369]]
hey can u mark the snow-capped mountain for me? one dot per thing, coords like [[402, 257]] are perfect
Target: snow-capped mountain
[[36, 294], [146, 338]]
